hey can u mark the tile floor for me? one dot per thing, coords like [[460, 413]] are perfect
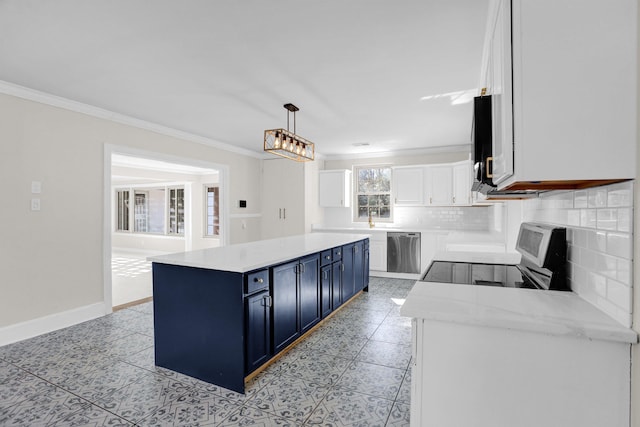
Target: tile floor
[[351, 371]]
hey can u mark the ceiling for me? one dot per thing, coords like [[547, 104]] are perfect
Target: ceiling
[[393, 74]]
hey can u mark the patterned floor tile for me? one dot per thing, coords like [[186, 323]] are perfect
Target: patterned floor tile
[[343, 346], [93, 384], [146, 308], [375, 380], [248, 416], [195, 408], [341, 408], [42, 409], [400, 415], [319, 368], [127, 345], [392, 334], [289, 397], [110, 361], [404, 395], [17, 385], [387, 354], [91, 415], [142, 398]]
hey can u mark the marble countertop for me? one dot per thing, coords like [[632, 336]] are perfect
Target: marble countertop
[[245, 257], [547, 312], [532, 310]]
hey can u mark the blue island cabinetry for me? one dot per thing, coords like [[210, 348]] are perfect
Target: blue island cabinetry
[[220, 326]]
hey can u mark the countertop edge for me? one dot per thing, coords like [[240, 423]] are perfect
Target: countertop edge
[[250, 256], [600, 327]]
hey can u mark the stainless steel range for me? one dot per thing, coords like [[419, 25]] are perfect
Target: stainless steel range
[[543, 263]]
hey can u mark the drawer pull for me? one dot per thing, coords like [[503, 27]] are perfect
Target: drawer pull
[[258, 279]]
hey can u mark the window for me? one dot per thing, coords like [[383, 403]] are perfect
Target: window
[[176, 211], [373, 193], [212, 214], [123, 210], [154, 210]]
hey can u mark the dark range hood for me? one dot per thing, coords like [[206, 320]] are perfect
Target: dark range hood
[[483, 155]]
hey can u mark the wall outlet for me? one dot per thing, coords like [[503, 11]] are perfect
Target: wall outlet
[[35, 204]]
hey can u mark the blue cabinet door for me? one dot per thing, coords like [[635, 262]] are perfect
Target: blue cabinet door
[[336, 284], [326, 290], [258, 327], [358, 266], [309, 283], [348, 278], [286, 325]]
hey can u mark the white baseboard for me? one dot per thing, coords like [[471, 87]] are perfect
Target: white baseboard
[[31, 328]]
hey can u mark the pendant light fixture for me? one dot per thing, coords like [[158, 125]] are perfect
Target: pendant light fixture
[[287, 144]]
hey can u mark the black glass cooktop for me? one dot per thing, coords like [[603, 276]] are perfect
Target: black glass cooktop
[[466, 273]]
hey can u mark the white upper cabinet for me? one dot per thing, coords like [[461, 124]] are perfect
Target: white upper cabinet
[[563, 80], [448, 184], [408, 185], [439, 184], [335, 186], [462, 183]]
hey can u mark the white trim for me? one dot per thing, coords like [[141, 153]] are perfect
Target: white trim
[[42, 325], [79, 107], [401, 153]]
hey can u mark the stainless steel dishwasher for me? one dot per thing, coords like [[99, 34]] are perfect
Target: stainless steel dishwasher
[[403, 252]]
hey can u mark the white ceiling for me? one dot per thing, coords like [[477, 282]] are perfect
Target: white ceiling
[[361, 71]]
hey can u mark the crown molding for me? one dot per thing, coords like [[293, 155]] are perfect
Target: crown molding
[[402, 153], [23, 92]]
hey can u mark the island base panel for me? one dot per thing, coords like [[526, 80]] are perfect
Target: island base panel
[[198, 323]]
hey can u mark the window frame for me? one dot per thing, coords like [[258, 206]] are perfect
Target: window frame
[[356, 206], [131, 190], [205, 229]]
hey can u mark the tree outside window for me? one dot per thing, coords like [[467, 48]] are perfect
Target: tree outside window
[[373, 193]]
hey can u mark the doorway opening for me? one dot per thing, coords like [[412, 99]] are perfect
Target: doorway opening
[[156, 204]]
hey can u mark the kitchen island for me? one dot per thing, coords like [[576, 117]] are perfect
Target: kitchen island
[[222, 313], [495, 356]]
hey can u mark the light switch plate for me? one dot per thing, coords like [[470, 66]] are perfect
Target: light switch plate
[[36, 187]]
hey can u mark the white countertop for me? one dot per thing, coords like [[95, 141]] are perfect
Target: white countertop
[[548, 312], [245, 257]]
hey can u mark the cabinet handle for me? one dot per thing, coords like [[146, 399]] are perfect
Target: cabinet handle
[[284, 213], [430, 200], [258, 279], [341, 202], [342, 266], [486, 167], [327, 257], [280, 213], [454, 199], [266, 301], [324, 274]]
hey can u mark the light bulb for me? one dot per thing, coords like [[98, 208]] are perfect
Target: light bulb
[[304, 150], [298, 149], [276, 144], [291, 146]]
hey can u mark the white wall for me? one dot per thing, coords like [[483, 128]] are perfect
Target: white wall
[[51, 261]]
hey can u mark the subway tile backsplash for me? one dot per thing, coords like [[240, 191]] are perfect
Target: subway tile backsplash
[[599, 225]]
